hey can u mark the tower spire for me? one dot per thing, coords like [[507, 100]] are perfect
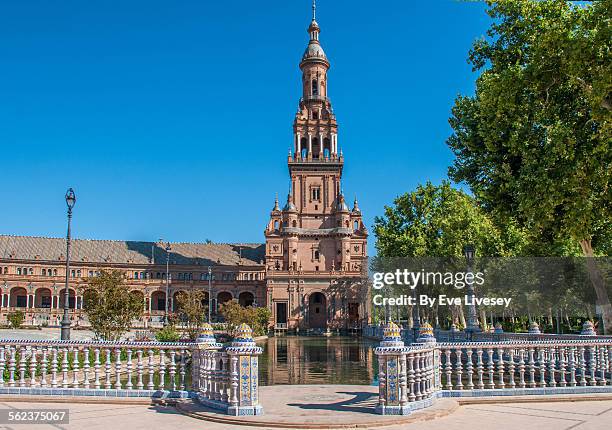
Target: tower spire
[[314, 10]]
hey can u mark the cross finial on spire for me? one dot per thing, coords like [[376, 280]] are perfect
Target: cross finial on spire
[[314, 10]]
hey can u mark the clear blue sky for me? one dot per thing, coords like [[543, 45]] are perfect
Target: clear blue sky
[[173, 118]]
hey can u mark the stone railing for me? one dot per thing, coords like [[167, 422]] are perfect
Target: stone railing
[[83, 368], [412, 377], [225, 378]]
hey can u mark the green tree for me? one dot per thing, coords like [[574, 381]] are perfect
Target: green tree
[[109, 305], [234, 315], [15, 319], [191, 311], [534, 142], [439, 221]]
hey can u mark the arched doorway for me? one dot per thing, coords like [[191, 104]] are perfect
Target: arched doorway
[[224, 296], [246, 299], [19, 297], [71, 299], [317, 310], [42, 298], [158, 301]]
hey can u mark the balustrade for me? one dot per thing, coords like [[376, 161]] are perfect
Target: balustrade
[[84, 367]]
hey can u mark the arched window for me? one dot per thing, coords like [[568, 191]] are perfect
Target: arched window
[[356, 225], [275, 224], [294, 223], [316, 255], [315, 87], [304, 152]]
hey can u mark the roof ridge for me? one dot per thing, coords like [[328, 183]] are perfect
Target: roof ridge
[[122, 240]]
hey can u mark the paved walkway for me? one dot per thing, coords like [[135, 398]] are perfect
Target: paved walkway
[[537, 415]]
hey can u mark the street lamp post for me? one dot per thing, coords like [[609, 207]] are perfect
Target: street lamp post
[[65, 325], [168, 248], [472, 324], [209, 291]]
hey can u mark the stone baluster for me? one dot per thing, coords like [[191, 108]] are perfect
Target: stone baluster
[[582, 366], [490, 368], [551, 368], [532, 368], [500, 368], [521, 367], [86, 375], [572, 366], [172, 372], [206, 374], [511, 367], [118, 367], [480, 369], [182, 371], [44, 363], [469, 369], [151, 384], [12, 366], [22, 366], [234, 382], [411, 380], [162, 369], [128, 369], [592, 364], [107, 369], [418, 376], [54, 364], [562, 367], [75, 367], [33, 365], [448, 368], [218, 376], [97, 368], [542, 366], [65, 381], [139, 370], [602, 365], [458, 369], [225, 378]]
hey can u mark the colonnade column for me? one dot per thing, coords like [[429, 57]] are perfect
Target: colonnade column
[[298, 145], [309, 145]]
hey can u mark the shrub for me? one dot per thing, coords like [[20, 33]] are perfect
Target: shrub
[[168, 334]]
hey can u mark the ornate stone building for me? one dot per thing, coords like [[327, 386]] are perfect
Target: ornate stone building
[[309, 272], [316, 245]]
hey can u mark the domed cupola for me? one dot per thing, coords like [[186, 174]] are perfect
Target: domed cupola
[[341, 206], [314, 51], [356, 209], [289, 207]]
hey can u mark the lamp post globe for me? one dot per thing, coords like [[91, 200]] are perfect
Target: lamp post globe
[[65, 324]]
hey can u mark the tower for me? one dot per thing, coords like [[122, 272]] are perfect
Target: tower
[[316, 245]]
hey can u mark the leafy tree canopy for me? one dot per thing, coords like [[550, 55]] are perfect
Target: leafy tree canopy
[[109, 305]]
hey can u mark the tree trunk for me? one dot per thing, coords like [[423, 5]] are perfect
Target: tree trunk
[[603, 300]]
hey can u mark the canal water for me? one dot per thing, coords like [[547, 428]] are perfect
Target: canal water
[[317, 360]]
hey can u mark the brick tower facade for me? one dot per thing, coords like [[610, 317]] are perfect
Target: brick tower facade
[[316, 245]]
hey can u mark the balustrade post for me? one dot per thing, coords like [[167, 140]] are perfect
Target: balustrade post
[[205, 344], [245, 353], [391, 353]]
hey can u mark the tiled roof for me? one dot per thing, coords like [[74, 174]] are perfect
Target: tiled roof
[[126, 252]]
